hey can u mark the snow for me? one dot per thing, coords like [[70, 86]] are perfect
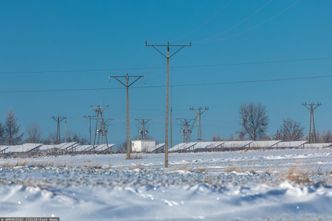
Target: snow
[[317, 145], [235, 185], [66, 146], [3, 148], [159, 148], [183, 147], [263, 144], [236, 144], [104, 147], [290, 144], [45, 147], [216, 145], [22, 148], [202, 145], [81, 148]]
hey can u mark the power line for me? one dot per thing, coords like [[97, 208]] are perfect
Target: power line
[[93, 70], [56, 90], [90, 118], [234, 26], [284, 10]]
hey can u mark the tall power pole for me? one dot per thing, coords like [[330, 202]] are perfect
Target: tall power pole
[[143, 131], [126, 81], [198, 118], [58, 120], [312, 128], [168, 55], [101, 131], [90, 118], [186, 129]]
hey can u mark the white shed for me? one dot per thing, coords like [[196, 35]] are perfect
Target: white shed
[[143, 145]]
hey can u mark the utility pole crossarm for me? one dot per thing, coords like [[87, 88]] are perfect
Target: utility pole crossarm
[[179, 49], [126, 82], [119, 80], [135, 80], [160, 52]]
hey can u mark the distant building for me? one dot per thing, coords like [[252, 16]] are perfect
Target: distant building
[[143, 145]]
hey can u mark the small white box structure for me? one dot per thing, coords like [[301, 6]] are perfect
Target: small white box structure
[[139, 146]]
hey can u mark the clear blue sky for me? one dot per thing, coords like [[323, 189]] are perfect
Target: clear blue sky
[[77, 44]]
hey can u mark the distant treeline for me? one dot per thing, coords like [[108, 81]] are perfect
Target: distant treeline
[[254, 121]]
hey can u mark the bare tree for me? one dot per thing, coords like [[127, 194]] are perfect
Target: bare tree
[[12, 130], [254, 120], [290, 130], [76, 138], [2, 133], [325, 137], [216, 138], [34, 134]]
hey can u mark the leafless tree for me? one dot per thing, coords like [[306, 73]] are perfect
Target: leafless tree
[[325, 137], [216, 138], [72, 137], [12, 130], [34, 134], [290, 130], [254, 120], [2, 133]]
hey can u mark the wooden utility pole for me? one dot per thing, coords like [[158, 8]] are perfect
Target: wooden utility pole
[[90, 118], [125, 80], [168, 55]]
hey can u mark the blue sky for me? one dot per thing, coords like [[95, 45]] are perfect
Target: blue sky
[[78, 44]]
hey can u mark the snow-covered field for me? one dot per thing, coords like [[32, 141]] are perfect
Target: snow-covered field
[[243, 185]]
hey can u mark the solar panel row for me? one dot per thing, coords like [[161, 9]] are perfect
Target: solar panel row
[[63, 147], [249, 144]]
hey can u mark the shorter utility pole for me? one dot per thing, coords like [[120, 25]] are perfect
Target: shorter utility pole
[[186, 128], [101, 129], [142, 129], [126, 81], [198, 118], [312, 128], [90, 118], [58, 120]]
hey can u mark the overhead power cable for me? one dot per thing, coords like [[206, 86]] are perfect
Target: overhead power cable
[[56, 90], [94, 70]]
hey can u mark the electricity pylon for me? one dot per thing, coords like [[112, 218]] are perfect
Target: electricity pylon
[[58, 120], [125, 80], [168, 55], [100, 136], [312, 128], [143, 131], [186, 128], [198, 119]]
